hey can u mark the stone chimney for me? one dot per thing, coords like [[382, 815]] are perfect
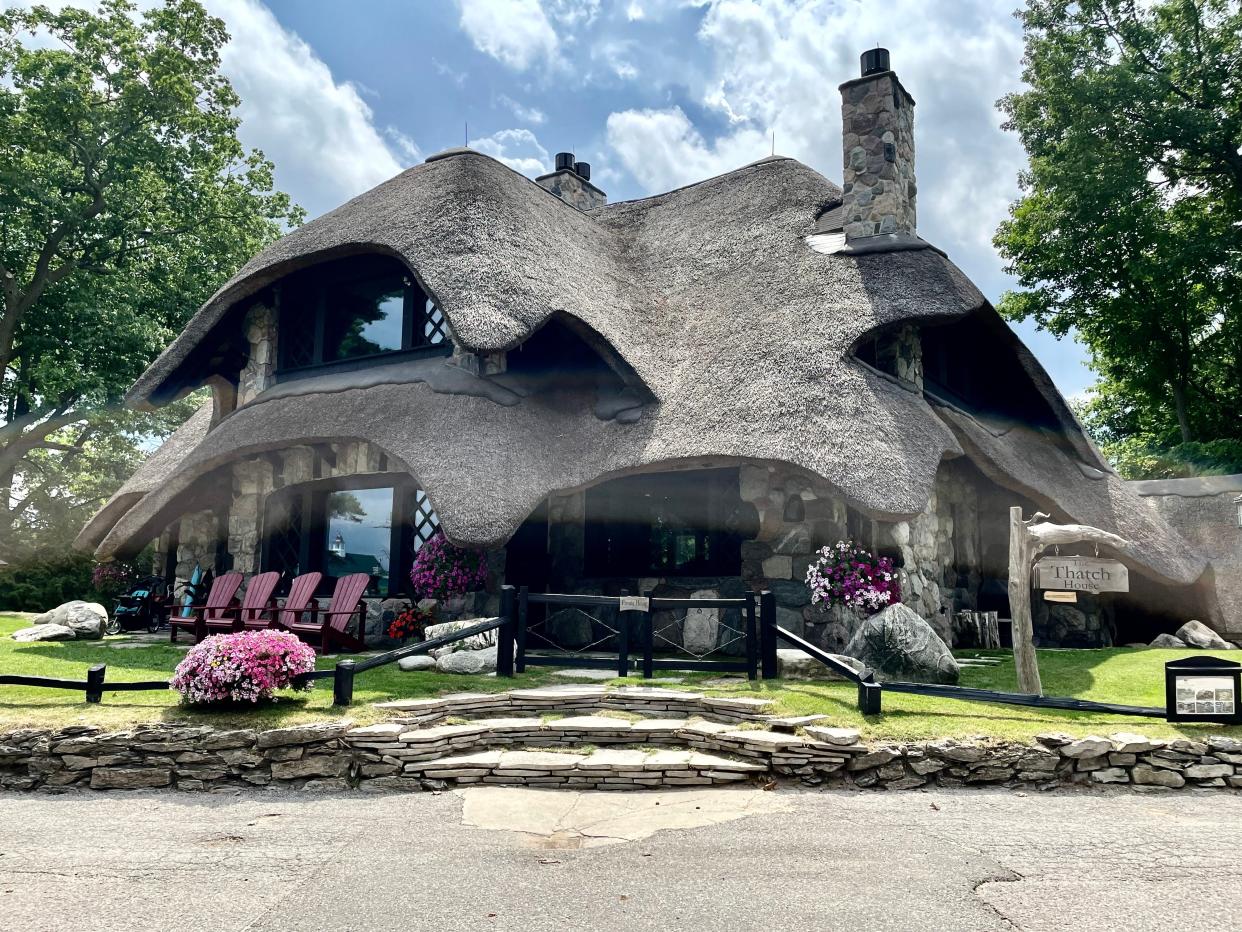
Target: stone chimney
[[877, 122], [571, 182]]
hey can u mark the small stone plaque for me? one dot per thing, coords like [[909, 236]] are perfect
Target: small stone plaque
[[1053, 596], [634, 603]]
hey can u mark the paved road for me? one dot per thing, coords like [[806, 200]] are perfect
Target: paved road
[[947, 861]]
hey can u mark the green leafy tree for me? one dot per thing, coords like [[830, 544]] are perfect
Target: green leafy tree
[[1128, 231], [125, 200]]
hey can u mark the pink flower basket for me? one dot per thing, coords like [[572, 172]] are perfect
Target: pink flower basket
[[850, 576], [442, 570], [245, 667]]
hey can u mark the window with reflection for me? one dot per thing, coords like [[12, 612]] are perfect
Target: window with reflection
[[353, 309], [368, 524]]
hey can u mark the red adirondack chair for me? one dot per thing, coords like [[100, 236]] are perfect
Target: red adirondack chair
[[329, 626], [219, 605], [257, 600], [297, 603]]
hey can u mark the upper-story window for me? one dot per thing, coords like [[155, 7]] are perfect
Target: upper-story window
[[356, 308]]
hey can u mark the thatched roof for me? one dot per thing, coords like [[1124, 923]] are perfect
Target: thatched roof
[[709, 295]]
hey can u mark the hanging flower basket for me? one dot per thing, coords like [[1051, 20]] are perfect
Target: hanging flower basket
[[851, 577], [443, 570]]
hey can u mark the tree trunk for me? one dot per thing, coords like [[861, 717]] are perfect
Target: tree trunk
[[1021, 549], [1183, 416]]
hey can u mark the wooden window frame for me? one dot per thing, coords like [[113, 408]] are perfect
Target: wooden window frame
[[318, 280]]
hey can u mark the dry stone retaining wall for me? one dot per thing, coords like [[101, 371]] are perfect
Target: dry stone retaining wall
[[692, 740]]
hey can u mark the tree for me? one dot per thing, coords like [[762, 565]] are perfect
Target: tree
[[125, 200], [1129, 227]]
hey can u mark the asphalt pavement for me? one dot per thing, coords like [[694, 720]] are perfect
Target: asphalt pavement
[[546, 860]]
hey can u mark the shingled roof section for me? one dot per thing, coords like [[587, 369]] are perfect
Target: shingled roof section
[[711, 295]]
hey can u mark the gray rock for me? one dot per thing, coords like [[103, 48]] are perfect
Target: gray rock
[[1088, 747], [44, 633], [302, 734], [129, 778], [380, 614], [701, 629], [85, 619], [474, 642], [899, 645], [1208, 771], [1111, 775], [468, 661], [792, 663], [1168, 642], [1197, 634], [417, 662], [1144, 775]]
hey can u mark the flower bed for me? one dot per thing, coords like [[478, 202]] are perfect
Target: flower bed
[[245, 667]]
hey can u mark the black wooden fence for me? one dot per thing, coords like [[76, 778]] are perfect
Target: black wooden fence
[[870, 692], [634, 636]]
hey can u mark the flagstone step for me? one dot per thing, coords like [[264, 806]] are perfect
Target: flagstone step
[[581, 698], [602, 769]]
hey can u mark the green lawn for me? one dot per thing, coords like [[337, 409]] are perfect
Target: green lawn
[[1134, 677]]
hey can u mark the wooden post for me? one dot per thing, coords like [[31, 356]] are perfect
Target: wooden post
[[343, 683], [507, 633], [767, 635], [95, 682], [649, 636], [1021, 551]]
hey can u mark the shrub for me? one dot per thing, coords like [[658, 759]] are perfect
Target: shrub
[[111, 579], [245, 667], [442, 570], [850, 576], [37, 585]]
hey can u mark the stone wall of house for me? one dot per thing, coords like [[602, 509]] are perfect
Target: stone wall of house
[[877, 118], [899, 352], [197, 543], [261, 331]]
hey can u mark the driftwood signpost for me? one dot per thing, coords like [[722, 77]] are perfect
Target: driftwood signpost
[[1027, 540]]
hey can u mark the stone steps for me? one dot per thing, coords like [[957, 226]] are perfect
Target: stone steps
[[608, 769]]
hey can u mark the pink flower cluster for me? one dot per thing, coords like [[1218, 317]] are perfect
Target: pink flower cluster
[[245, 667], [850, 576], [442, 570]]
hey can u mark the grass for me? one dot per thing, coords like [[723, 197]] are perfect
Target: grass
[[1127, 676]]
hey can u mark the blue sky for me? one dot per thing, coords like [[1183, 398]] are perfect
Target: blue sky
[[654, 93]]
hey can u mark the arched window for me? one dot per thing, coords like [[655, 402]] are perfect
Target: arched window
[[339, 313]]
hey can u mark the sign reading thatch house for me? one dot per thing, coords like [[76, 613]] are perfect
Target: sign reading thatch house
[[687, 392]]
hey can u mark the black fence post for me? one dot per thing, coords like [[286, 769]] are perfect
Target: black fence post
[[505, 636], [623, 639], [648, 638], [523, 609], [869, 698], [95, 682], [752, 639], [767, 634], [343, 683]]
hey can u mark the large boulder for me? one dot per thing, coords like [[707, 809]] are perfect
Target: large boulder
[[1168, 642], [85, 619], [474, 642], [44, 633], [468, 661], [899, 645], [1197, 634], [417, 662]]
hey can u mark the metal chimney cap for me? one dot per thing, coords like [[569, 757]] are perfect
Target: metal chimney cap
[[874, 61], [564, 161], [583, 170]]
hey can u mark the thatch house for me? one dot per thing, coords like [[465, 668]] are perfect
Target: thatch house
[[686, 392]]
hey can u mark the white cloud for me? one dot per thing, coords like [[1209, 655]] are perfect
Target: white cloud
[[517, 148], [515, 32], [663, 150], [319, 132], [527, 114]]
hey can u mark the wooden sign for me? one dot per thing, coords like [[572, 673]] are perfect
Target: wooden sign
[[634, 603], [1053, 595], [1081, 574]]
